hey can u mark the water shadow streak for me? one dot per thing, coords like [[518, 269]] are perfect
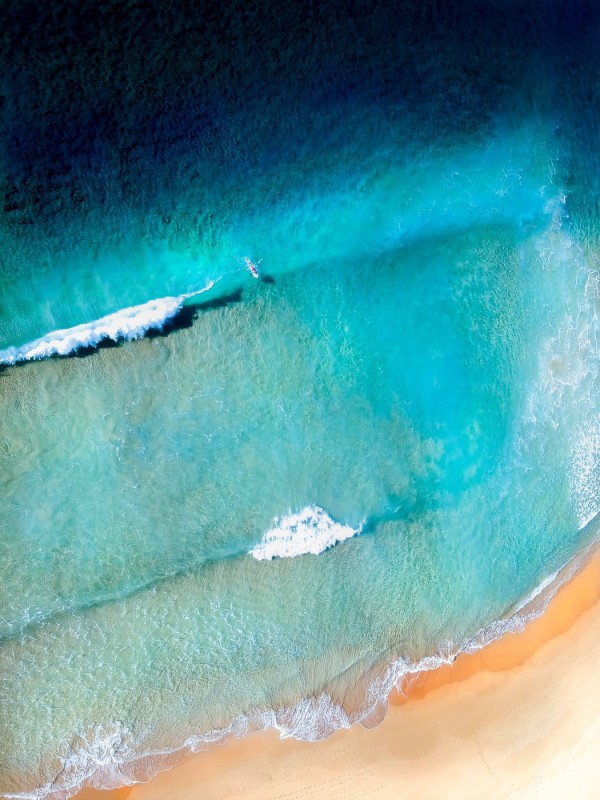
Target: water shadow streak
[[184, 318]]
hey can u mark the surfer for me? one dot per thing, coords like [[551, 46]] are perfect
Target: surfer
[[252, 266]]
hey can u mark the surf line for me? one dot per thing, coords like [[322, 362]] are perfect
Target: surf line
[[124, 325]]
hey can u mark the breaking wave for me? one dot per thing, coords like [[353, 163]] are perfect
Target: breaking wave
[[310, 530], [126, 324]]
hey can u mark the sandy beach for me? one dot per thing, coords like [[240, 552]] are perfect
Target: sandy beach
[[518, 719]]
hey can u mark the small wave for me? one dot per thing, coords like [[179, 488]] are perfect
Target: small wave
[[126, 324], [311, 530]]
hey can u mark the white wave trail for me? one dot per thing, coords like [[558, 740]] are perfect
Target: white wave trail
[[128, 323], [311, 530]]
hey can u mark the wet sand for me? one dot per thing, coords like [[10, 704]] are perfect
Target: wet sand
[[518, 719]]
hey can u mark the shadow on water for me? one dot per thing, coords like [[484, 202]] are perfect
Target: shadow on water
[[183, 319], [187, 315], [218, 302]]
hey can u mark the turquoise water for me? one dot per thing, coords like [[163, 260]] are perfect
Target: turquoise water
[[413, 376]]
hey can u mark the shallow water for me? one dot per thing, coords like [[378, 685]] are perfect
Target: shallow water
[[371, 453]]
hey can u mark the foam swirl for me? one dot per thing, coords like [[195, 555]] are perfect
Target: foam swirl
[[310, 530]]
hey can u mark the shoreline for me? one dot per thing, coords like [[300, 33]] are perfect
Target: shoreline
[[238, 768]]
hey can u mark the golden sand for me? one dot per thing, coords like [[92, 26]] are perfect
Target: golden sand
[[518, 719]]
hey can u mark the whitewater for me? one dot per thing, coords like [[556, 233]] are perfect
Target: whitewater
[[310, 530], [126, 325]]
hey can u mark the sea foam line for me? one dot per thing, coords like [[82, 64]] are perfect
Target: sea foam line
[[310, 530], [107, 759], [126, 324]]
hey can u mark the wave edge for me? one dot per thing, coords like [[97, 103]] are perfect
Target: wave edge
[[308, 531], [126, 324]]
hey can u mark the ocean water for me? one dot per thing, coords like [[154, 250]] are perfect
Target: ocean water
[[231, 503]]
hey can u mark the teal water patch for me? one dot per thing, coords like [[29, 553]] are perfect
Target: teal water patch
[[396, 195], [362, 383]]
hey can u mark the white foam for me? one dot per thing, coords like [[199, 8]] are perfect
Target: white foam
[[128, 323], [99, 753], [311, 530], [561, 414], [107, 759]]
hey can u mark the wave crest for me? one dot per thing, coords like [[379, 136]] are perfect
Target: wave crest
[[310, 530], [126, 324]]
